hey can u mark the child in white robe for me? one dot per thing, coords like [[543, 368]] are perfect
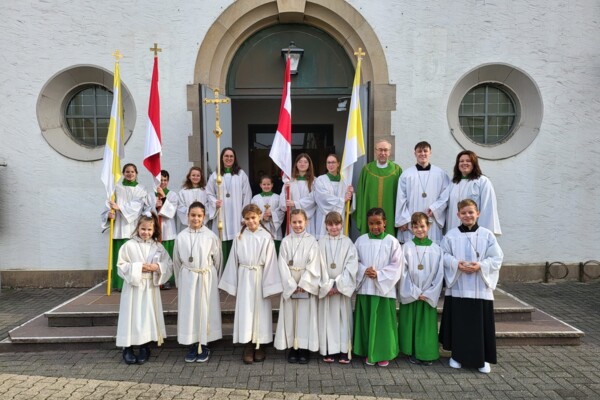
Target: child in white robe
[[252, 275], [130, 202], [419, 291], [300, 266], [301, 191], [197, 262], [380, 264], [144, 265], [338, 283], [472, 261], [272, 215], [193, 190]]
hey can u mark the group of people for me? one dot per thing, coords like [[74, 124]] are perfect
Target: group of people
[[315, 269]]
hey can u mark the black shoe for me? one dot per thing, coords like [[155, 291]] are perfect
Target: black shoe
[[144, 354], [303, 356], [192, 354], [412, 360], [293, 356], [129, 356]]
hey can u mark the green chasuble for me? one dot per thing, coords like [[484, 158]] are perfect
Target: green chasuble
[[377, 187], [375, 328]]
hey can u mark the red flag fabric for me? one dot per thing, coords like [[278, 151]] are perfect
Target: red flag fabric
[[281, 150], [153, 145]]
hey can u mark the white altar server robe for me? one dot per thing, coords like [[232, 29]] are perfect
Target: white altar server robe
[[427, 281], [132, 202], [252, 275], [385, 255], [411, 186], [198, 304], [464, 246], [141, 317], [240, 195], [167, 214], [277, 214], [329, 196], [302, 198], [297, 324], [335, 311], [189, 196]]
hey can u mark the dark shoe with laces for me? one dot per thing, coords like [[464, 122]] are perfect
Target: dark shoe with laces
[[192, 353], [144, 354], [204, 355], [129, 356]]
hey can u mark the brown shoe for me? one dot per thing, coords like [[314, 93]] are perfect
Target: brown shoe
[[259, 355], [248, 355]]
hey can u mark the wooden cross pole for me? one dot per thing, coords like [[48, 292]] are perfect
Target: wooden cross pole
[[155, 49], [218, 132]]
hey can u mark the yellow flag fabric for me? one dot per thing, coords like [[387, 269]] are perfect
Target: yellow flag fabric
[[114, 150], [355, 144]]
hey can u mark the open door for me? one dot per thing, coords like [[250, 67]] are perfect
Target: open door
[[210, 156]]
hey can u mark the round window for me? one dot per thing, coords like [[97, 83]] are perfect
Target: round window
[[487, 114], [88, 115]]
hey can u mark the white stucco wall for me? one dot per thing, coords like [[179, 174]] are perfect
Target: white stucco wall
[[548, 196]]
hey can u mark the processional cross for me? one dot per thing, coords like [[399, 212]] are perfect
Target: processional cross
[[218, 132]]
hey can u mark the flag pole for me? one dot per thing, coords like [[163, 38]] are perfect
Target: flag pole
[[355, 98], [114, 174], [218, 132]]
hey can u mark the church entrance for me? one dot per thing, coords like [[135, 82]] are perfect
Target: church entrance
[[320, 97]]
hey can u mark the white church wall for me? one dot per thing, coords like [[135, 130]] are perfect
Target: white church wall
[[49, 218]]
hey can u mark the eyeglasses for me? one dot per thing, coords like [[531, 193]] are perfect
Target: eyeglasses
[[383, 150]]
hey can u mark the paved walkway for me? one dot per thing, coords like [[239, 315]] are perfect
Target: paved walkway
[[522, 372]]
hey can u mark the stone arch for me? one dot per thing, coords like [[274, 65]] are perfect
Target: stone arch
[[336, 17]]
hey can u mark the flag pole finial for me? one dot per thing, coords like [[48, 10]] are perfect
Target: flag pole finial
[[117, 55], [155, 49], [360, 53]]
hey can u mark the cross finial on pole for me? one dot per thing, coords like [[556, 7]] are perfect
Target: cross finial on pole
[[117, 55], [155, 49], [360, 53]]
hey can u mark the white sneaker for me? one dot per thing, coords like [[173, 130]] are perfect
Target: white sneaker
[[454, 364], [486, 369]]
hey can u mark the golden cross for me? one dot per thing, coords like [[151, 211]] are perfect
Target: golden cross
[[216, 101], [155, 49], [359, 53], [117, 54]]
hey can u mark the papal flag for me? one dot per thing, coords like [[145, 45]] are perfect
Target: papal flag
[[281, 151], [114, 150], [355, 144], [153, 146]]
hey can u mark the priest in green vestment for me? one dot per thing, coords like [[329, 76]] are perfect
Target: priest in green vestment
[[377, 187]]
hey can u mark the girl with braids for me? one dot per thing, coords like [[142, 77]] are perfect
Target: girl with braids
[[252, 277]]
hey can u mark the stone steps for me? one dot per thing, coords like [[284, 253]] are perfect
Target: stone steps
[[91, 318]]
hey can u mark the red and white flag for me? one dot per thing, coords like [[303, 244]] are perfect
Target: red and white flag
[[153, 146], [281, 151]]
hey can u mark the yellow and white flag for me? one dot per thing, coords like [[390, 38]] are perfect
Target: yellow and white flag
[[355, 144], [114, 150]]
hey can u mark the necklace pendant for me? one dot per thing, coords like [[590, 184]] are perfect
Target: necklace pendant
[[227, 195], [332, 265], [420, 266], [290, 263], [191, 259], [423, 194]]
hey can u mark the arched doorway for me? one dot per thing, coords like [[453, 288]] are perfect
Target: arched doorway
[[254, 84], [241, 20]]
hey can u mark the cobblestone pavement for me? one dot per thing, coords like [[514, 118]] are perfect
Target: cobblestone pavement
[[522, 372]]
